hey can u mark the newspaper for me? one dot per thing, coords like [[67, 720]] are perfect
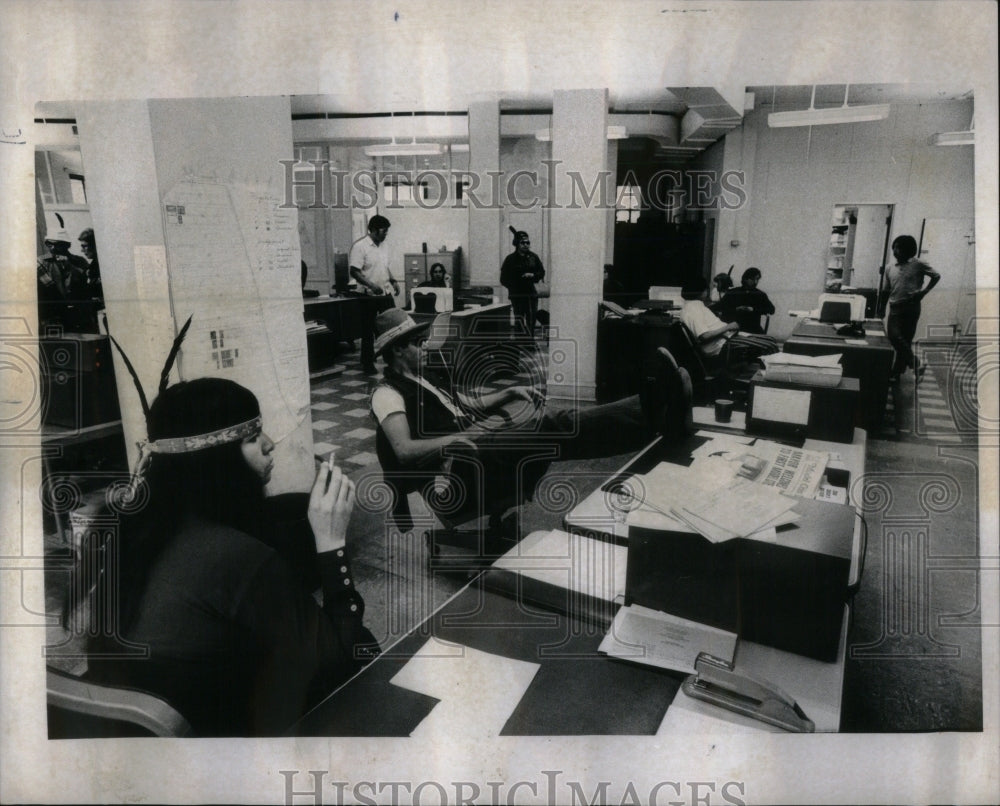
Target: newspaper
[[794, 471]]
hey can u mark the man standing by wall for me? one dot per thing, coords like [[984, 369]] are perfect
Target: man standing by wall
[[369, 262], [906, 290]]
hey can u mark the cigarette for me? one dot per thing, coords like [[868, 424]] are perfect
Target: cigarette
[[330, 460]]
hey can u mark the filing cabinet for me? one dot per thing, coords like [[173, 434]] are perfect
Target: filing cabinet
[[417, 266]]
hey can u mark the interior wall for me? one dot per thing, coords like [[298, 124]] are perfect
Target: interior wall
[[413, 226], [579, 146], [525, 197], [801, 173]]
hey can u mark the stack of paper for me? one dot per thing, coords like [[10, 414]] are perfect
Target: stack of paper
[[813, 370], [711, 500]]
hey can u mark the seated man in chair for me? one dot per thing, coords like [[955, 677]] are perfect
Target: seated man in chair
[[722, 344], [422, 424]]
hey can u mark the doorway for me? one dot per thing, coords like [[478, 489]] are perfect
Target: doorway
[[859, 243]]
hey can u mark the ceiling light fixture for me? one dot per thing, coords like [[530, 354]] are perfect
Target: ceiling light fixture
[[820, 117], [410, 149], [614, 133], [395, 149], [954, 138]]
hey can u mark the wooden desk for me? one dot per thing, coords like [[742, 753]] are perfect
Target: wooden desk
[[341, 315], [484, 665], [870, 362], [490, 663]]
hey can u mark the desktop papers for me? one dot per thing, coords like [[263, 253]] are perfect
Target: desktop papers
[[729, 490], [709, 499], [648, 636], [795, 471]]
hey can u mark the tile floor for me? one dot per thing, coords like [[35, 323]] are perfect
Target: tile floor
[[342, 420]]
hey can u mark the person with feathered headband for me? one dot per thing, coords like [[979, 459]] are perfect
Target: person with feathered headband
[[520, 270], [213, 581]]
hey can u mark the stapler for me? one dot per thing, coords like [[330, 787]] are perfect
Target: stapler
[[715, 681]]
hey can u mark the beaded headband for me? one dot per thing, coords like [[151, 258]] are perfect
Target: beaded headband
[[231, 433]]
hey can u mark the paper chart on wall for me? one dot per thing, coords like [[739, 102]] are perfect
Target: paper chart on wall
[[234, 268]]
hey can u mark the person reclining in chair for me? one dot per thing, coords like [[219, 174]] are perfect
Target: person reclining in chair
[[721, 343], [511, 434]]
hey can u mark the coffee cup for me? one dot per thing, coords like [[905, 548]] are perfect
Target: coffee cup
[[723, 410]]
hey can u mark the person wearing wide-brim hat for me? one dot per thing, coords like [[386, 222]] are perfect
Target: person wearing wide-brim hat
[[418, 420], [62, 285]]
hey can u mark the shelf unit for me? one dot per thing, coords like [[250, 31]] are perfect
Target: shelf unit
[[840, 252]]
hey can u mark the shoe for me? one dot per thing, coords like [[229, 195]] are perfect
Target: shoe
[[667, 402]]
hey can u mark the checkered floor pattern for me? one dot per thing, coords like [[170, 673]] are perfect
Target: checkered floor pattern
[[341, 416], [943, 407]]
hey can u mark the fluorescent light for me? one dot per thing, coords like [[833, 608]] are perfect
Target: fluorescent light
[[952, 139], [820, 117], [404, 150], [614, 133]]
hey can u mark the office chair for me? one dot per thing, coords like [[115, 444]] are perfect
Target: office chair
[[707, 381], [82, 709], [423, 301], [447, 496], [711, 380]]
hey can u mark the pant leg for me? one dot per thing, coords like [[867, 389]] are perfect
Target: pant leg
[[597, 431], [368, 314], [371, 307], [521, 306], [749, 347], [909, 329], [901, 327]]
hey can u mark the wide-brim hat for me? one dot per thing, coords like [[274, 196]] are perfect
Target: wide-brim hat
[[392, 325], [58, 236]]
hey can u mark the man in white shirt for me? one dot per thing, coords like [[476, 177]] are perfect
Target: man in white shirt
[[716, 338], [369, 266]]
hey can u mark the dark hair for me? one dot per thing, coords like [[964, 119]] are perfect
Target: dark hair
[[439, 266], [378, 222], [907, 246], [723, 281], [694, 288], [752, 272], [87, 236], [213, 484]]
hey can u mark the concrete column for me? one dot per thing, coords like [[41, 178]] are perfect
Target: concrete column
[[186, 200], [581, 191], [484, 221]]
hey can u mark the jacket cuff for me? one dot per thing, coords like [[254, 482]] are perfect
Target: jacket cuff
[[340, 598]]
